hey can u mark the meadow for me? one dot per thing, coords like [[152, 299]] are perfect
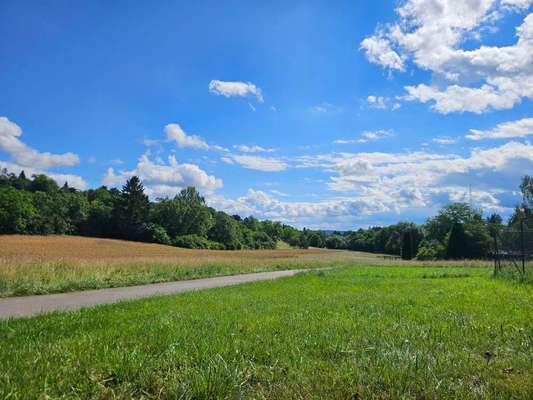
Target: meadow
[[398, 332], [52, 264]]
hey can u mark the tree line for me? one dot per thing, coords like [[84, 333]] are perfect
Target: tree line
[[458, 231], [39, 206]]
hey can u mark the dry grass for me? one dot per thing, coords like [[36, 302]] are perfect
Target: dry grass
[[44, 264]]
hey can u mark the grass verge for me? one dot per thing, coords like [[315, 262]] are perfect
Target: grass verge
[[365, 332]]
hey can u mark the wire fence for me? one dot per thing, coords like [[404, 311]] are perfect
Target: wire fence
[[513, 250]]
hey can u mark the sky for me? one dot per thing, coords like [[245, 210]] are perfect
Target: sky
[[319, 114]]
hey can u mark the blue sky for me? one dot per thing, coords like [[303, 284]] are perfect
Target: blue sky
[[320, 114]]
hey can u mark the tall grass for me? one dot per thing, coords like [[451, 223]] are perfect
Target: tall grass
[[50, 264]]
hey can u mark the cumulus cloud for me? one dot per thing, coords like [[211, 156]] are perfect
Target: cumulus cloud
[[379, 51], [377, 185], [253, 149], [258, 163], [175, 133], [430, 33], [235, 89], [24, 155], [320, 214], [506, 130], [33, 162], [423, 176], [164, 179]]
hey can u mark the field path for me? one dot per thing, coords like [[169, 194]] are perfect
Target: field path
[[26, 306]]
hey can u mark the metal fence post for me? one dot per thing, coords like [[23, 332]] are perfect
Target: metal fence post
[[523, 246]]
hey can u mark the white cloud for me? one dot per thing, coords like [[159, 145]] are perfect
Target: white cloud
[[368, 136], [24, 155], [162, 179], [430, 33], [33, 162], [444, 140], [344, 141], [253, 149], [176, 133], [382, 103], [399, 182], [266, 164], [235, 89], [506, 130], [311, 214], [278, 193], [371, 136], [379, 51]]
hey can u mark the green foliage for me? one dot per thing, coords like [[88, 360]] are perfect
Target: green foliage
[[430, 250], [523, 213], [157, 234], [226, 231], [335, 242], [408, 246], [131, 212], [456, 247], [260, 240], [438, 227], [16, 210], [51, 214], [42, 183], [39, 206], [196, 242]]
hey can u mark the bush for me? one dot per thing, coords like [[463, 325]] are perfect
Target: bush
[[157, 234], [196, 242], [432, 250], [262, 241]]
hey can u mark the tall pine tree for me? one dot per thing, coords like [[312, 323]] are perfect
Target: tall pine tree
[[457, 243], [131, 212]]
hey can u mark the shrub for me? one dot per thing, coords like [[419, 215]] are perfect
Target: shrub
[[196, 242], [157, 234], [431, 250]]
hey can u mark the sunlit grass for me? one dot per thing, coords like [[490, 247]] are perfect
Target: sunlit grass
[[363, 332]]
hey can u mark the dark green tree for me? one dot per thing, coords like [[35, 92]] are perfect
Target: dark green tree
[[456, 247], [226, 231], [42, 183], [408, 245], [16, 210], [131, 212]]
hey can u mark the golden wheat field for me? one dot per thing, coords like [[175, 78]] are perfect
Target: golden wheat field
[[47, 264]]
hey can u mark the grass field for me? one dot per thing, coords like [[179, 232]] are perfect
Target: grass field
[[350, 333], [50, 264]]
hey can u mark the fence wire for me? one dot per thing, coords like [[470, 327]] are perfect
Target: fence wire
[[513, 249]]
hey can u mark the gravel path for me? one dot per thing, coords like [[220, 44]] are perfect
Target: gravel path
[[26, 306]]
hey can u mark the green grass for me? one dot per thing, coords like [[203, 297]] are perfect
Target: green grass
[[350, 333]]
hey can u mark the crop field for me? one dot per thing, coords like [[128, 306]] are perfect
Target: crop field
[[51, 264], [348, 333]]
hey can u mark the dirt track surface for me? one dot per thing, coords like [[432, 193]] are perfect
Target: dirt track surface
[[27, 306]]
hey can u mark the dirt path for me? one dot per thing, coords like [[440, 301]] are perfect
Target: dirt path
[[17, 307]]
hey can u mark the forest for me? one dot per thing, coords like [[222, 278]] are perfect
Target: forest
[[39, 206]]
